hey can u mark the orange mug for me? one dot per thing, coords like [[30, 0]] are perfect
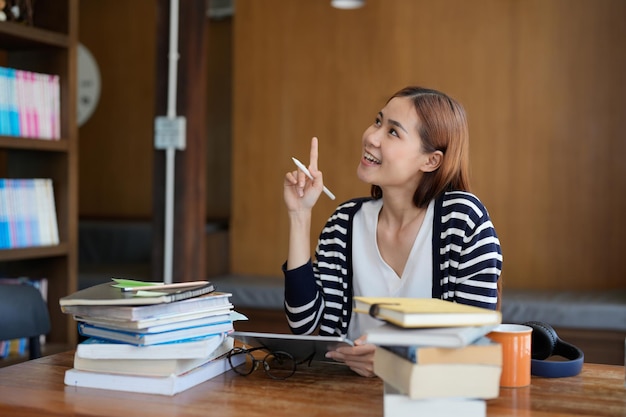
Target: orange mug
[[515, 340]]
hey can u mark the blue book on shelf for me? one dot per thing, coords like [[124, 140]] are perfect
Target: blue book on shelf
[[5, 240], [13, 106], [9, 114], [4, 106]]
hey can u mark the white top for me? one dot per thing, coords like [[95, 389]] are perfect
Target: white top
[[373, 277]]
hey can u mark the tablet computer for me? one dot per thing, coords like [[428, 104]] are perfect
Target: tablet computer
[[299, 346]]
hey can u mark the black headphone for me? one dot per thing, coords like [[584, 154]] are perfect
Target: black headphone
[[545, 343]]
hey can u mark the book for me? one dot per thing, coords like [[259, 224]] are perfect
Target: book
[[143, 339], [484, 351], [397, 404], [27, 213], [198, 347], [146, 326], [440, 380], [151, 367], [109, 294], [389, 334], [169, 385], [212, 300], [425, 312]]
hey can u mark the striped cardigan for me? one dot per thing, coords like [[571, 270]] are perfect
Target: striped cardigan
[[465, 246]]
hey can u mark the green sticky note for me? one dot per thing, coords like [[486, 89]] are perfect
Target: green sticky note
[[131, 283]]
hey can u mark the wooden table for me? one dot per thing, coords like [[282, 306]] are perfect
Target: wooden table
[[36, 388]]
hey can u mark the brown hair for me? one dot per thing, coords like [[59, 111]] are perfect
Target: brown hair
[[443, 128]]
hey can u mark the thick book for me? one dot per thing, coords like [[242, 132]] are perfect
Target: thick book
[[150, 367], [214, 299], [483, 351], [425, 312], [200, 347], [157, 326], [109, 294], [389, 334], [442, 380], [140, 338], [169, 385], [396, 404]]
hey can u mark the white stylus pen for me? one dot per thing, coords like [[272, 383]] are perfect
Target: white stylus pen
[[304, 169]]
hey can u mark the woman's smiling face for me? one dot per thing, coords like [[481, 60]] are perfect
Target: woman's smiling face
[[392, 148]]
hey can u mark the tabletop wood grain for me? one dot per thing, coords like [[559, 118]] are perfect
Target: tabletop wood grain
[[36, 388]]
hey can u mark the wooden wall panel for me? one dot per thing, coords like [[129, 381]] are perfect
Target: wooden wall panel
[[116, 163], [542, 82], [116, 143], [570, 109]]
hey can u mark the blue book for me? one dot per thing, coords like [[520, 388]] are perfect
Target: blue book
[[140, 338], [4, 105], [12, 102], [5, 240]]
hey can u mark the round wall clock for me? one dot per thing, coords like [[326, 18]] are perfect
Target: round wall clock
[[88, 84]]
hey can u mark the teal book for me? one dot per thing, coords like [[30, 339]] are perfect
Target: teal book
[[140, 338]]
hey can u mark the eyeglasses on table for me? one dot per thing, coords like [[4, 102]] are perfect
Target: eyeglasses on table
[[276, 364]]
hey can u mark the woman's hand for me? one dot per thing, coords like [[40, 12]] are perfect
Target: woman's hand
[[301, 193], [360, 357]]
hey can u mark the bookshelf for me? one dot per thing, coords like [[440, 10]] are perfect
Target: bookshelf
[[47, 46]]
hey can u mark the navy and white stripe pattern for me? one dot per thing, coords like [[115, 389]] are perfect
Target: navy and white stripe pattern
[[465, 247]]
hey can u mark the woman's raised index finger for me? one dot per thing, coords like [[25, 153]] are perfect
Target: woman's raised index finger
[[314, 153]]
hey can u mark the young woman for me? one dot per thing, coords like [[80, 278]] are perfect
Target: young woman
[[420, 234]]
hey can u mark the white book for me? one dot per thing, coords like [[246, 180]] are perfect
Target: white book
[[51, 214], [397, 404], [169, 385], [94, 348], [391, 335], [150, 367]]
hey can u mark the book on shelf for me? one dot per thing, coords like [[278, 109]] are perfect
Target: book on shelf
[[152, 367], [194, 348], [169, 385], [390, 334], [141, 338], [425, 312], [29, 104], [109, 294], [437, 380], [27, 213], [41, 284], [17, 347], [397, 404]]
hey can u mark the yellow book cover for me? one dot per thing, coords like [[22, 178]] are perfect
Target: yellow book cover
[[425, 312]]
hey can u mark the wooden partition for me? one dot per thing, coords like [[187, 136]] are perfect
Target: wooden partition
[[117, 142], [542, 82]]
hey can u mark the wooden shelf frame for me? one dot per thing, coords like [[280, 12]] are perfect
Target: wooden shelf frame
[[48, 46]]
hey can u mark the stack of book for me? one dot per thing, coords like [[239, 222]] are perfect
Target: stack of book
[[433, 356], [29, 104], [148, 338], [27, 213]]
